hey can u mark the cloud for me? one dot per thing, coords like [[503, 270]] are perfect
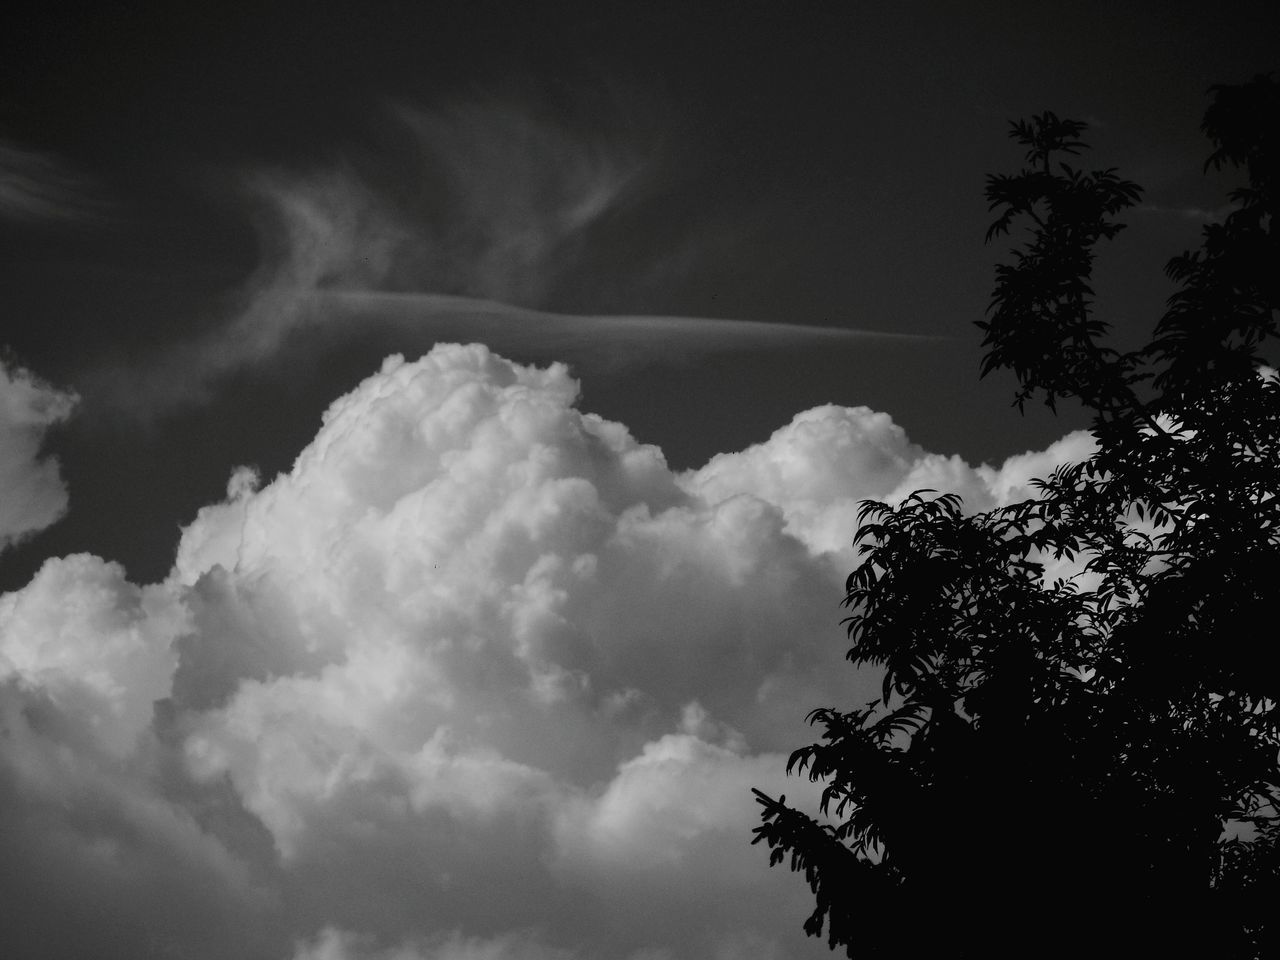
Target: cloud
[[518, 191], [1195, 213], [98, 646], [819, 467], [37, 187], [458, 225], [482, 200], [99, 847], [34, 494], [611, 343], [479, 677], [334, 944]]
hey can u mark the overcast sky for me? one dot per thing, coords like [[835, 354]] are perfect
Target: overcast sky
[[431, 436]]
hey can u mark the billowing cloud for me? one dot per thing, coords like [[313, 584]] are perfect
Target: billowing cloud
[[818, 468], [479, 677], [34, 494]]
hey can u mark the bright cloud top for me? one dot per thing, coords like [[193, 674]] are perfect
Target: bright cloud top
[[480, 677], [34, 494]]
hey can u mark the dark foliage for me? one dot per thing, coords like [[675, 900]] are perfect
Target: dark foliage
[[1084, 765]]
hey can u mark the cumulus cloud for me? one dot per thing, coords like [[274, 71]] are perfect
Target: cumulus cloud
[[818, 468], [34, 494], [479, 677], [99, 847]]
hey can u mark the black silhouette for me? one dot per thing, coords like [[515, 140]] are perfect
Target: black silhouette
[[1087, 766]]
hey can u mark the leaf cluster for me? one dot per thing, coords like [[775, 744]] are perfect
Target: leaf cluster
[[1078, 730]]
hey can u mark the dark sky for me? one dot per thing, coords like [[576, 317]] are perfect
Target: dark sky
[[451, 668], [786, 162]]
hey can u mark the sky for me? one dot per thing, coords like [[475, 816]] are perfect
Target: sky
[[431, 437]]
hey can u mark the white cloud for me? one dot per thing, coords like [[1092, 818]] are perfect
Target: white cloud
[[101, 840], [1012, 482], [97, 645], [665, 810], [818, 467], [34, 494], [479, 677]]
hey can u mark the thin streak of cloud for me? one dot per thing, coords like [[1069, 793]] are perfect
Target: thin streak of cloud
[[37, 187], [187, 374], [1198, 214], [644, 338], [487, 207]]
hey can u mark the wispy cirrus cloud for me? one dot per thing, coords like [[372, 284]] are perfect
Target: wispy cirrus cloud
[[1191, 212], [459, 229], [39, 187]]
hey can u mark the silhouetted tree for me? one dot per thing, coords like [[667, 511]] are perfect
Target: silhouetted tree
[[1081, 763]]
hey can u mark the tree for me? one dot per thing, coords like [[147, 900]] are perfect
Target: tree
[[1080, 761]]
